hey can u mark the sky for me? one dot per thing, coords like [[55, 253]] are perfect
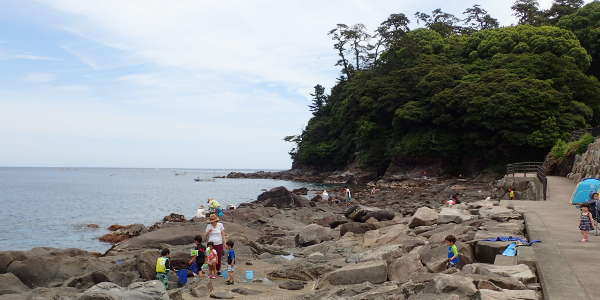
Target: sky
[[172, 84]]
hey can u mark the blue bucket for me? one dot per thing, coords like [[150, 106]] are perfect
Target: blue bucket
[[183, 276], [249, 275], [225, 274]]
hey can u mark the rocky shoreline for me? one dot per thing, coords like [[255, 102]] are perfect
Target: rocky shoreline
[[385, 245]]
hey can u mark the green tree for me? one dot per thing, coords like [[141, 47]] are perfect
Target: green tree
[[478, 18], [561, 8], [585, 23], [319, 99], [442, 22], [528, 12]]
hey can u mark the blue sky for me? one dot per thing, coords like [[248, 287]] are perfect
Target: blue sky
[[197, 84]]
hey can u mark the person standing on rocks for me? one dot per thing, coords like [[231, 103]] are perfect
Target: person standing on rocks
[[215, 233], [325, 196], [214, 207], [348, 195]]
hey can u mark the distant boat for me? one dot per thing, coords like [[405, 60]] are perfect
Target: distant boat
[[198, 179], [179, 174]]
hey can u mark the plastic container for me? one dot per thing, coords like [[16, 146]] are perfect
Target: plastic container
[[249, 275], [183, 276], [225, 274]]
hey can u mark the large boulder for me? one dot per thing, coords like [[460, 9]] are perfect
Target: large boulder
[[453, 215], [374, 272], [43, 268], [486, 294], [356, 228], [520, 272], [359, 213], [456, 284], [313, 234], [499, 213], [401, 269], [10, 284], [145, 263], [424, 216], [301, 270], [149, 290], [281, 197], [87, 280]]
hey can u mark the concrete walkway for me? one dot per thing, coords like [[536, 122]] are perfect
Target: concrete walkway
[[568, 268]]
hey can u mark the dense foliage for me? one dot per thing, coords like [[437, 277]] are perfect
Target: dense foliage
[[460, 95]]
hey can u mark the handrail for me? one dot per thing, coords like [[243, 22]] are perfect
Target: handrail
[[530, 167]]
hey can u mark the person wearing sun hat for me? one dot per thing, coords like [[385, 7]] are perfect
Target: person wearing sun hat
[[215, 233]]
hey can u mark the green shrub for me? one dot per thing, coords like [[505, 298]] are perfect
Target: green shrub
[[559, 149]]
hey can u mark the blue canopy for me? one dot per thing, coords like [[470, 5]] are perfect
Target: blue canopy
[[584, 190]]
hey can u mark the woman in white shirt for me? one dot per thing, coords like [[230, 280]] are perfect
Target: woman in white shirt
[[215, 232]]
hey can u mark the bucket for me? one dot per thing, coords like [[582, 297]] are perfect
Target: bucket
[[225, 274], [249, 275], [183, 276]]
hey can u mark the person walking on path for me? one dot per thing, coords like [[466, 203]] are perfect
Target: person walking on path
[[215, 233], [586, 223]]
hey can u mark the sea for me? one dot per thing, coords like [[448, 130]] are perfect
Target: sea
[[51, 207]]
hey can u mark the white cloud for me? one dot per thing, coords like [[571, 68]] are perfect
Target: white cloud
[[39, 77], [33, 57]]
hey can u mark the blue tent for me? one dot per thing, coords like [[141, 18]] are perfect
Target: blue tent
[[584, 190]]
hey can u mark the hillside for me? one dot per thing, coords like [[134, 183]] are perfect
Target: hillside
[[460, 97]]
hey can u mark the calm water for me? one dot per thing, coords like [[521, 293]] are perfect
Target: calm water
[[50, 206]]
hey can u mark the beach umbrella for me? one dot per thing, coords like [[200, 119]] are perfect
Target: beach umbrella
[[584, 190]]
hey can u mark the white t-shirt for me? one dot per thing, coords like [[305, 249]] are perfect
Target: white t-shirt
[[325, 196], [215, 235]]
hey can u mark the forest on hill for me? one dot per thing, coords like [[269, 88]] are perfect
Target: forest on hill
[[460, 92]]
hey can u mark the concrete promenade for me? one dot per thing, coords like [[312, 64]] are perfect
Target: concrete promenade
[[568, 269]]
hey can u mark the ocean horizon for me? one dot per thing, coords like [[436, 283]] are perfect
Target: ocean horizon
[[52, 206]]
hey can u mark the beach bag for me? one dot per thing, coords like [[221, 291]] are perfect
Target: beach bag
[[220, 212]]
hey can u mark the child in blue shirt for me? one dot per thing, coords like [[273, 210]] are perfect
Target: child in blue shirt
[[453, 255], [230, 261]]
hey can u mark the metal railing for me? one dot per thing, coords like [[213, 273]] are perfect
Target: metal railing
[[575, 135], [533, 167]]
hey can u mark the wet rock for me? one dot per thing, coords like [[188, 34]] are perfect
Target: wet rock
[[374, 272], [173, 217], [113, 238], [313, 234], [11, 284], [329, 219], [356, 228], [116, 227], [259, 249], [281, 197], [424, 216], [292, 285], [300, 191]]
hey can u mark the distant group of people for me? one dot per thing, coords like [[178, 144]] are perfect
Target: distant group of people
[[346, 192], [205, 260]]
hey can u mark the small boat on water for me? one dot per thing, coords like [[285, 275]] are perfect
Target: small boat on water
[[198, 179]]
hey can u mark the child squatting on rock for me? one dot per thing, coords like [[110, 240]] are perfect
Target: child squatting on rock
[[163, 266], [198, 259], [453, 255], [230, 262]]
